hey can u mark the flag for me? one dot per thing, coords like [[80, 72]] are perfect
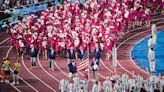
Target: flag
[[85, 63]]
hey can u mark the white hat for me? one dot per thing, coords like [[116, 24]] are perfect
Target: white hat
[[70, 75]]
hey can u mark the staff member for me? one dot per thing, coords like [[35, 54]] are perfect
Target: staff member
[[33, 54], [150, 43], [17, 67], [151, 57], [7, 69], [94, 66], [154, 34], [71, 55], [51, 58], [80, 54], [72, 68], [97, 54]]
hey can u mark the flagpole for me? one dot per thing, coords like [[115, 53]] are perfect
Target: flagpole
[[88, 65]]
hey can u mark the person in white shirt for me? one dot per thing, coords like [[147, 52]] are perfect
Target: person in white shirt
[[63, 85], [85, 84], [76, 81], [107, 85], [161, 82], [81, 88], [151, 58], [71, 87], [94, 67], [150, 43], [154, 33], [96, 86], [131, 83]]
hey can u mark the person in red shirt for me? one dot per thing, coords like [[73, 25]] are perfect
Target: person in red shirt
[[2, 73]]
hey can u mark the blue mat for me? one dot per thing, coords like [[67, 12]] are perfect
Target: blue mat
[[140, 50]]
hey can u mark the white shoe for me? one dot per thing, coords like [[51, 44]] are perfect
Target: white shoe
[[2, 81], [17, 82], [13, 83], [7, 81]]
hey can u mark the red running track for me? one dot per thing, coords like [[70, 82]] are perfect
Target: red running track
[[43, 80]]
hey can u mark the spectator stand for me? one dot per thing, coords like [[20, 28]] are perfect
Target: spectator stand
[[17, 14]]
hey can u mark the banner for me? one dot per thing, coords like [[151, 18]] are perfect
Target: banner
[[32, 9]]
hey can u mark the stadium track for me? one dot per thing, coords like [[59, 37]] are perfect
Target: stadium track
[[43, 80]]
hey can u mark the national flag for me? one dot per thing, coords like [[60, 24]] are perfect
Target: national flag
[[85, 63]]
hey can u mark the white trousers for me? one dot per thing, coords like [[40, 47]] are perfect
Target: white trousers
[[152, 66], [51, 64]]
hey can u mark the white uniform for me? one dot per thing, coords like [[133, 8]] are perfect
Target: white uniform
[[131, 83], [96, 87], [154, 80], [154, 33], [161, 85], [107, 86], [114, 56], [71, 87], [63, 85], [76, 84], [85, 85], [151, 57], [124, 79], [150, 43]]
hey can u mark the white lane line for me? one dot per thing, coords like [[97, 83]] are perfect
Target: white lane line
[[36, 76], [106, 66], [127, 40], [4, 40], [46, 70], [5, 46], [12, 71], [61, 70], [20, 77]]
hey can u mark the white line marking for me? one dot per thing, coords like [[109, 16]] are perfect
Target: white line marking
[[11, 70], [5, 46], [106, 66], [124, 34], [4, 40], [20, 77], [36, 76], [45, 70]]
